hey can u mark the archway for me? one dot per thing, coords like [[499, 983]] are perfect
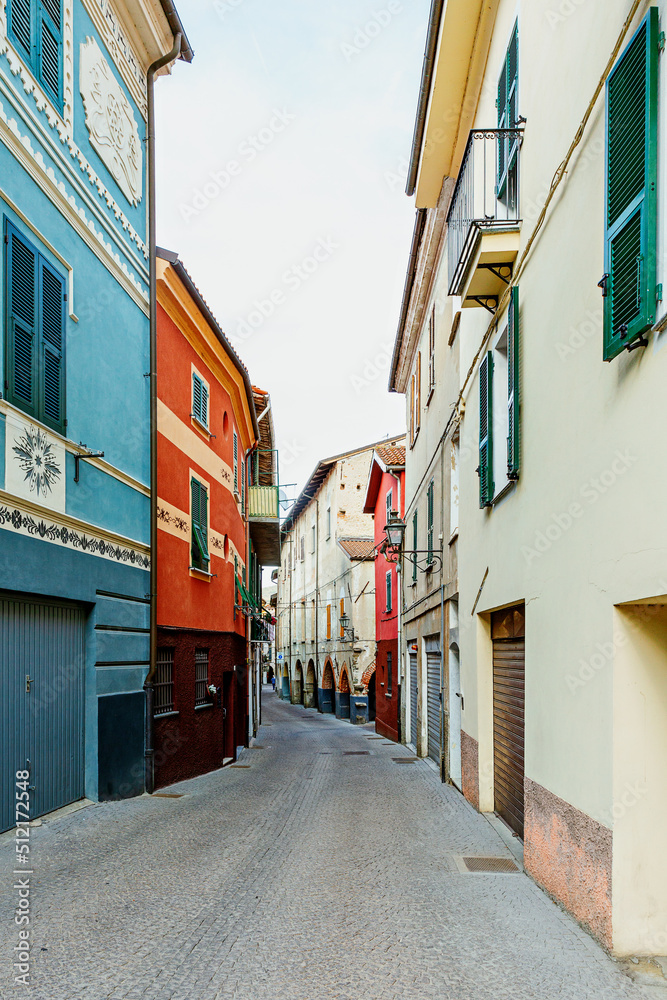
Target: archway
[[284, 692], [327, 693], [297, 686], [371, 697], [343, 695], [310, 687]]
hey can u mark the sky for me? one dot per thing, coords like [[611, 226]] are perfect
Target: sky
[[282, 152]]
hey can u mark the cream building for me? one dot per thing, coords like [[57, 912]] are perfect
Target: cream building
[[540, 177], [327, 574]]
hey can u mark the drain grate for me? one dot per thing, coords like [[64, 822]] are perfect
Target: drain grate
[[257, 746], [240, 765], [375, 737], [474, 864], [356, 753], [167, 795], [404, 760]]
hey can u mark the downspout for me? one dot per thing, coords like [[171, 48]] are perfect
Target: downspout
[[396, 473], [424, 93], [317, 603], [149, 751]]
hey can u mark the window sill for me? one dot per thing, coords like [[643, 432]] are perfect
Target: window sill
[[430, 394], [507, 488], [165, 715], [388, 694], [199, 426], [201, 574], [209, 704], [454, 535]]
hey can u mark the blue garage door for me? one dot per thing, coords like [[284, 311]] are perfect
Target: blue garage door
[[41, 718]]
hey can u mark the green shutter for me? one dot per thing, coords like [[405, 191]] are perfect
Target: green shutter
[[388, 589], [196, 397], [513, 396], [52, 337], [22, 311], [204, 405], [414, 545], [485, 468], [236, 463], [429, 528], [507, 104], [200, 556], [630, 190], [20, 24]]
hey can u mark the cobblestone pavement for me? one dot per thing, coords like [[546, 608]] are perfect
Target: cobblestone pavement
[[306, 875]]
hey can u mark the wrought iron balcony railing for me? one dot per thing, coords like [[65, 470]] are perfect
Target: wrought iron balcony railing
[[263, 502], [486, 196]]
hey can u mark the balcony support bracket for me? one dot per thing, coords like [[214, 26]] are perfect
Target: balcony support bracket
[[489, 302], [498, 268]]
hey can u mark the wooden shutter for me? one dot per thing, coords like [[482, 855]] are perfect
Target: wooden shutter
[[328, 621], [196, 397], [50, 55], [414, 546], [513, 397], [51, 346], [341, 612], [200, 556], [236, 463], [485, 467], [418, 393], [22, 266], [508, 87], [630, 190], [204, 405], [20, 25]]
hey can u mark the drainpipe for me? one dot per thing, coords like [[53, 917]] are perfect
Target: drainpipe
[[317, 604], [149, 751], [396, 473]]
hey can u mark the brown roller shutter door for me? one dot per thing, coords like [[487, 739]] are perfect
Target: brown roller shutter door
[[508, 633]]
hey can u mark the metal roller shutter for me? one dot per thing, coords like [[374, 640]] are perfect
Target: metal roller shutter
[[433, 700], [413, 698], [41, 720], [508, 729]]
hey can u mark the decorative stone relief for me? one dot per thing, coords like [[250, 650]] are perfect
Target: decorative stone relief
[[34, 463], [110, 121]]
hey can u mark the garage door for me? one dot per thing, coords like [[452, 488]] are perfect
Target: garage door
[[41, 718], [508, 715], [433, 700], [413, 698]]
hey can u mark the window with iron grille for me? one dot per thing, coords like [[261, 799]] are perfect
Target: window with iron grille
[[201, 676], [389, 665], [163, 687]]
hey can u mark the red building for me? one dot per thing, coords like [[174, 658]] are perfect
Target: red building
[[209, 572], [386, 492]]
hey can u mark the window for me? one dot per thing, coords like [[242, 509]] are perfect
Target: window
[[629, 283], [314, 537], [35, 332], [390, 504], [389, 666], [388, 590], [429, 523], [199, 542], [36, 28], [431, 351], [454, 490], [507, 104], [328, 621], [414, 546], [328, 522], [201, 677], [199, 400], [242, 474], [303, 548], [164, 682]]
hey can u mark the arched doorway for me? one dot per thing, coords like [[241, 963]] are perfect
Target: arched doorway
[[371, 697], [297, 686], [284, 692], [310, 687], [343, 695], [327, 692]]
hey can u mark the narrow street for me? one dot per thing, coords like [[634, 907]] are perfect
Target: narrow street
[[301, 874]]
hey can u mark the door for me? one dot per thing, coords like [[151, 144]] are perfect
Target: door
[[413, 697], [42, 671], [229, 742], [455, 716], [433, 699], [508, 635]]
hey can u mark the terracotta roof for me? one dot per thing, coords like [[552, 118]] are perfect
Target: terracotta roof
[[391, 454], [358, 548]]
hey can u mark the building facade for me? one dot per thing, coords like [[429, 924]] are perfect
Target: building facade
[[74, 412], [209, 570], [385, 495], [326, 600], [551, 191]]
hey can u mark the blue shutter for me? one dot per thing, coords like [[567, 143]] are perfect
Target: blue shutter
[[21, 264], [49, 46], [52, 337], [630, 190], [20, 25], [204, 405], [485, 467]]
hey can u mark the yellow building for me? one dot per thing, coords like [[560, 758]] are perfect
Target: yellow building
[[539, 174]]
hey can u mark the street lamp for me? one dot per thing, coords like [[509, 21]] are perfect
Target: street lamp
[[395, 532], [345, 628]]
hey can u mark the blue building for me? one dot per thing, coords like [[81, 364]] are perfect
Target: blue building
[[74, 412]]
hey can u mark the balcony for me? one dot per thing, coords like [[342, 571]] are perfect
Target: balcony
[[264, 518], [483, 221]]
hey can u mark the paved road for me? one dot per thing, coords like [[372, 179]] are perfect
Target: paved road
[[306, 875]]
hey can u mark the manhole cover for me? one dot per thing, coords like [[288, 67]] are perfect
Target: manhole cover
[[490, 865], [404, 760], [356, 753], [167, 795]]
